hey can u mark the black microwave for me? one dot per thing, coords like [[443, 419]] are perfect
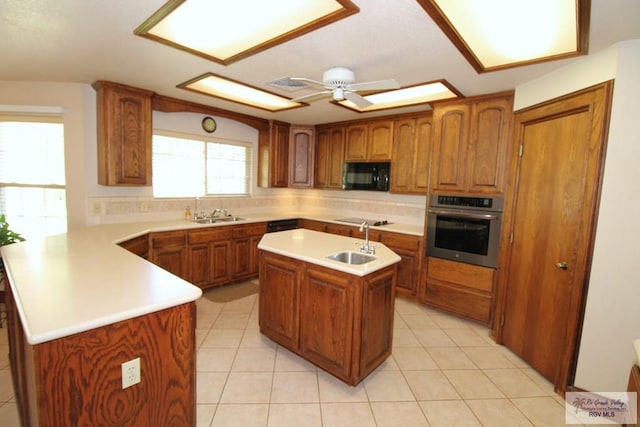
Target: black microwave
[[366, 176]]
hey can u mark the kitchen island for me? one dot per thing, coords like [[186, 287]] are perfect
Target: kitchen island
[[335, 314]]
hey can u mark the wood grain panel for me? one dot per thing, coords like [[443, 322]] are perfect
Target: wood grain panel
[[468, 275], [79, 377]]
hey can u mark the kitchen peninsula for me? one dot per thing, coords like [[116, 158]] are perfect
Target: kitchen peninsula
[[323, 299], [79, 306]]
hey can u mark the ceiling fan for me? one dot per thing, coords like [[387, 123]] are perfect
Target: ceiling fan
[[339, 82]]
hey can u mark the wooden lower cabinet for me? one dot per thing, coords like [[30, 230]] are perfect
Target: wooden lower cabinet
[[409, 248], [463, 289], [168, 250], [138, 245], [209, 253], [279, 299], [340, 322], [77, 380], [244, 247]]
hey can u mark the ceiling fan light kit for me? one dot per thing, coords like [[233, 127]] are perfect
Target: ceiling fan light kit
[[339, 82]]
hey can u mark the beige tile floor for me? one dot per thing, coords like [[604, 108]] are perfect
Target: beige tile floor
[[444, 371]]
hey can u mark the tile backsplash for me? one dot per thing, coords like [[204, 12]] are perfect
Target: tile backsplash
[[407, 209]]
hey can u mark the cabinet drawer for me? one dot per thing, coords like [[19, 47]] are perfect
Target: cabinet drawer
[[207, 236], [400, 241], [468, 275], [250, 230], [170, 238], [460, 301]]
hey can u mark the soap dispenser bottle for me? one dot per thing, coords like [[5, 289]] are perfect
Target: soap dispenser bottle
[[187, 213]]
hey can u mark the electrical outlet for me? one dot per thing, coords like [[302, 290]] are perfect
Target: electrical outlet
[[130, 373]]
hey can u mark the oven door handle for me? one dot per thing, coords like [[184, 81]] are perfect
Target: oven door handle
[[464, 214]]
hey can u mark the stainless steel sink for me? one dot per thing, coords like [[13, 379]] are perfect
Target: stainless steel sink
[[228, 219], [353, 258], [218, 219]]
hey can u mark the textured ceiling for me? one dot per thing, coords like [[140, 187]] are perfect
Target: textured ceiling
[[84, 41]]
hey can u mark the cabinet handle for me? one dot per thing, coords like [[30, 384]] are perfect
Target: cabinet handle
[[562, 265]]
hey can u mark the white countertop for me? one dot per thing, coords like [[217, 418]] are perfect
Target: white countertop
[[315, 246], [82, 280]]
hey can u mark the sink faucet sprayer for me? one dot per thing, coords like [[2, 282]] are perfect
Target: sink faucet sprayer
[[366, 247]]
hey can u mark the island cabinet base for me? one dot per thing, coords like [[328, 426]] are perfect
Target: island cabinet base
[[77, 380], [340, 322]]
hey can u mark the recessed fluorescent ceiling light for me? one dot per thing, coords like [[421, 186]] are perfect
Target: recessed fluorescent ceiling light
[[404, 97], [221, 87], [226, 31], [499, 34]]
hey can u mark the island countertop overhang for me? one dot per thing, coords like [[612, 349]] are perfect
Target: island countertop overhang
[[315, 247]]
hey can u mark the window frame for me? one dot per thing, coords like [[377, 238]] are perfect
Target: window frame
[[205, 139]]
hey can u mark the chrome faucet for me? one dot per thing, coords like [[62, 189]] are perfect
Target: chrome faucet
[[219, 212], [366, 247]]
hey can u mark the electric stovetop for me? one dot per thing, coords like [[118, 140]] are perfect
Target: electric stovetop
[[359, 221]]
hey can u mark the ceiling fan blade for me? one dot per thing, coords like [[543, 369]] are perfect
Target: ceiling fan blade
[[308, 81], [311, 96], [357, 99], [376, 85]]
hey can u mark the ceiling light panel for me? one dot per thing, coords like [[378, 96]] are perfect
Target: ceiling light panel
[[226, 31], [499, 34], [423, 93], [230, 90]]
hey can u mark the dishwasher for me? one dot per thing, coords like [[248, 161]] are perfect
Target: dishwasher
[[281, 225]]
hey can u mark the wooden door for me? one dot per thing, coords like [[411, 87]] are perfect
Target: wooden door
[[336, 157], [403, 156], [555, 195]]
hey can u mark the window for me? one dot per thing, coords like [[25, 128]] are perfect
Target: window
[[32, 180], [187, 166]]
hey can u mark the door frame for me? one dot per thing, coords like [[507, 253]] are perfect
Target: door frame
[[566, 370]]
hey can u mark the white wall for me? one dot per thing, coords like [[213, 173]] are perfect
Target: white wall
[[612, 316]]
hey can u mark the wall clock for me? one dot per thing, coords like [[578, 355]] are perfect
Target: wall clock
[[208, 124]]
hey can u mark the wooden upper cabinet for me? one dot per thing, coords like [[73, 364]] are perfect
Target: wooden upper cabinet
[[369, 142], [124, 134], [356, 143], [411, 150], [273, 155], [329, 157], [470, 142], [489, 141], [380, 141], [301, 157], [450, 138]]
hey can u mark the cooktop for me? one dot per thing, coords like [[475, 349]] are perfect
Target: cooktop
[[359, 221]]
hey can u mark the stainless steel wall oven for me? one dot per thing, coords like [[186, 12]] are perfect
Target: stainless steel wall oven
[[464, 228]]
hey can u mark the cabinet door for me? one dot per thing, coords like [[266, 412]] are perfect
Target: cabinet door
[[273, 156], [336, 157], [490, 130], [220, 255], [450, 136], [422, 155], [322, 156], [200, 265], [124, 134], [279, 299], [168, 251], [326, 329], [411, 152], [409, 248], [380, 141], [377, 320], [403, 148], [356, 143], [301, 157]]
